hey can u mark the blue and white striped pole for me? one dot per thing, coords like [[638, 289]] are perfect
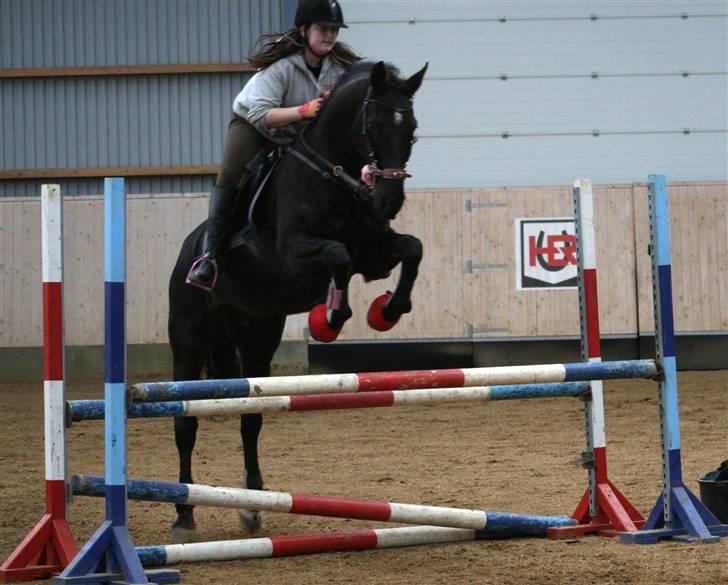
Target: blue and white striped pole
[[678, 513], [94, 409], [110, 556], [115, 355]]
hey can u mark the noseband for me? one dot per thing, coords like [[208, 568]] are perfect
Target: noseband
[[334, 172]]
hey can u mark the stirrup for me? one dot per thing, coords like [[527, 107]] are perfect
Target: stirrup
[[198, 261]]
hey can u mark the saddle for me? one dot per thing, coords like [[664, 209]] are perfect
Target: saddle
[[251, 191]]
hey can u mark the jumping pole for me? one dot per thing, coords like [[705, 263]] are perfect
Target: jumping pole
[[290, 503], [379, 381], [303, 544], [78, 410]]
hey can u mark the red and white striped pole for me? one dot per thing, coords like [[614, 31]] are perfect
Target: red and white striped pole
[[603, 509], [54, 386], [49, 547]]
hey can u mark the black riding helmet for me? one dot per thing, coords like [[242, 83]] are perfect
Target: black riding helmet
[[321, 12]]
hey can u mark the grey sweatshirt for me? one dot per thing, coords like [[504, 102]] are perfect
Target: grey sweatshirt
[[286, 83]]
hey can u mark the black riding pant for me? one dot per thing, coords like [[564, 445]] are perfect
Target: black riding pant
[[242, 143]]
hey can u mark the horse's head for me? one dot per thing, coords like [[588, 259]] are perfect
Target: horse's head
[[367, 126], [388, 133]]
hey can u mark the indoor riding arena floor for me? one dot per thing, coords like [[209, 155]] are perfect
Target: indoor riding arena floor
[[508, 456]]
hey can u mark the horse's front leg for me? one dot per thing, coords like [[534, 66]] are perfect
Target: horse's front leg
[[326, 320], [338, 262], [386, 310]]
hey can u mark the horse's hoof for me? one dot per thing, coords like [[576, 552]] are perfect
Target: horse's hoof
[[250, 521], [319, 326], [181, 535], [375, 315]]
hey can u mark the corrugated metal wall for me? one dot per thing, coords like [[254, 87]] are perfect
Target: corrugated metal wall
[[149, 120], [526, 68], [86, 33], [116, 121]]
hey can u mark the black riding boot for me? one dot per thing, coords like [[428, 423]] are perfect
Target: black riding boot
[[203, 273]]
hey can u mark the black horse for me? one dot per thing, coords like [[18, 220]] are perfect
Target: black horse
[[316, 225]]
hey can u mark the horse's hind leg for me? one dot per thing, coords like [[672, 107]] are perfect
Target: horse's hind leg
[[257, 343]]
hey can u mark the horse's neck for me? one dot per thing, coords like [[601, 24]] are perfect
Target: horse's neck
[[333, 133], [334, 144]]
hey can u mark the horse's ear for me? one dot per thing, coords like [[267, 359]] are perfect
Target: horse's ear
[[414, 82], [379, 74]]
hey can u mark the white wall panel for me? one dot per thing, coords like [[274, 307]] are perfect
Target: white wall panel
[[641, 102], [463, 162]]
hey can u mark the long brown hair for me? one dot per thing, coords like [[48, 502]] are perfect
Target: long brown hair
[[276, 46]]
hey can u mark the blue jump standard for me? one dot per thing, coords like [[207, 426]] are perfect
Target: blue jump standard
[[678, 513], [109, 556]]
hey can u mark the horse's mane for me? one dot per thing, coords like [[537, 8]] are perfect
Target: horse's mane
[[353, 85], [361, 70]]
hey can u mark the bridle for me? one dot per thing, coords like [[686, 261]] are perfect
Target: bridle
[[335, 172], [389, 173]]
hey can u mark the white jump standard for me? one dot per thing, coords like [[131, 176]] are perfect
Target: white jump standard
[[602, 509], [50, 546]]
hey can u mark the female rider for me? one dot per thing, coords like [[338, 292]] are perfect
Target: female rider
[[296, 71]]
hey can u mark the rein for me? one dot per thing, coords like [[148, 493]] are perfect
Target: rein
[[331, 171]]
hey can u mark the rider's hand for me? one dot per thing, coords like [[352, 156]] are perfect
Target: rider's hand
[[310, 109]]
